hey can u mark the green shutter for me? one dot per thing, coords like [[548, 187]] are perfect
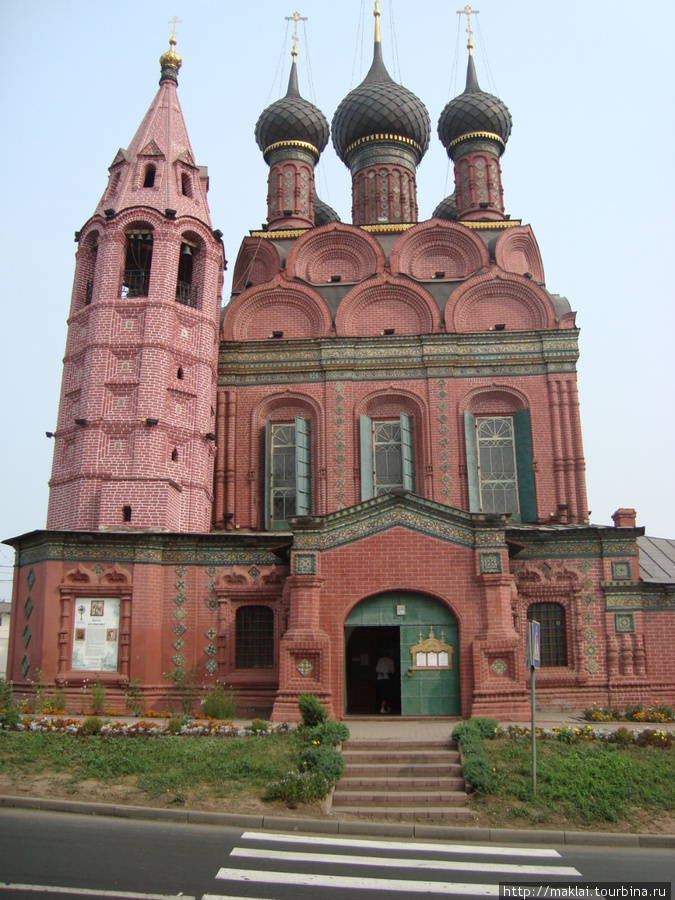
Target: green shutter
[[266, 490], [526, 489], [303, 481], [407, 459], [366, 439], [471, 461]]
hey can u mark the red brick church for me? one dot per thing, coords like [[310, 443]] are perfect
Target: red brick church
[[374, 448]]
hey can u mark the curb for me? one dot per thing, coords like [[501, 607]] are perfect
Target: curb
[[375, 829]]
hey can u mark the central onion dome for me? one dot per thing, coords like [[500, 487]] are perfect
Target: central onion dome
[[379, 107], [474, 113], [292, 119]]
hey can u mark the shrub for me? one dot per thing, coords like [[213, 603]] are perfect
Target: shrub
[[91, 725], [258, 726], [323, 759], [9, 718], [565, 735], [219, 702], [311, 710], [134, 696], [97, 691], [470, 734], [298, 787], [329, 732], [6, 693], [623, 736], [175, 725]]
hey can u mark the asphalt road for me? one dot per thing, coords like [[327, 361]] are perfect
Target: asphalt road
[[54, 854]]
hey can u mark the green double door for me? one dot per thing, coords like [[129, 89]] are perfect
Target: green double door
[[426, 681]]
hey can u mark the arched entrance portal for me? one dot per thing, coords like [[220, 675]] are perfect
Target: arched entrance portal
[[421, 635]]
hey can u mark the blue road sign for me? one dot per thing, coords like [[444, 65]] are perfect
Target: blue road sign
[[533, 649]]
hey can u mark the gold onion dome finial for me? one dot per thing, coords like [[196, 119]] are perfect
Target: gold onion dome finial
[[170, 61]]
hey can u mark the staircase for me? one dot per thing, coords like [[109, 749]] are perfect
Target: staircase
[[398, 779]]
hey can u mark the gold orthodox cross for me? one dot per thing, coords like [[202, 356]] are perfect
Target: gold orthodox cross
[[296, 17], [467, 11], [173, 22]]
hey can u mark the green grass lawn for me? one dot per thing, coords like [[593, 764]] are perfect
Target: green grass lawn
[[584, 782], [158, 764]]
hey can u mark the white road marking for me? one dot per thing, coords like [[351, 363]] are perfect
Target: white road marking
[[344, 881], [412, 845], [440, 864], [88, 892]]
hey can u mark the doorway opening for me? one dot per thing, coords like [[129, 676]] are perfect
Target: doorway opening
[[364, 646], [420, 634]]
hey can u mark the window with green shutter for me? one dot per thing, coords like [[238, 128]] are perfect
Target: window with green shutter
[[387, 460], [499, 464], [287, 471]]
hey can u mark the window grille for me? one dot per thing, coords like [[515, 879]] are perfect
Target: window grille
[[255, 638], [551, 617], [497, 476]]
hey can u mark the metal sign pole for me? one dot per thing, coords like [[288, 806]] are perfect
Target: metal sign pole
[[532, 662], [534, 734]]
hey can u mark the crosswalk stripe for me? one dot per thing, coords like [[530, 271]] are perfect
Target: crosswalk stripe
[[90, 892], [352, 883], [440, 864], [412, 845]]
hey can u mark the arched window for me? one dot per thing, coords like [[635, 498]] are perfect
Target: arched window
[[254, 638], [185, 289], [551, 617], [88, 253], [387, 462], [137, 263], [499, 464], [287, 471], [150, 171]]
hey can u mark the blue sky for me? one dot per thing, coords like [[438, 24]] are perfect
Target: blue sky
[[590, 87]]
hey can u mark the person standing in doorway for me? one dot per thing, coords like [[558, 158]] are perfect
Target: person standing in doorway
[[385, 669]]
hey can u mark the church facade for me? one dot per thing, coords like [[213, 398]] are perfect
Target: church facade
[[374, 449]]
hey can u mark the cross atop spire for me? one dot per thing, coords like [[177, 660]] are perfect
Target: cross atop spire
[[295, 18], [376, 13], [467, 11], [173, 22]]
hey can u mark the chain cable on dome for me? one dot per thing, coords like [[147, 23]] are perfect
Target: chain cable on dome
[[490, 79], [394, 44], [360, 37], [278, 75]]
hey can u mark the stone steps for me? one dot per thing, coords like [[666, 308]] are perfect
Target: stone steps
[[401, 780]]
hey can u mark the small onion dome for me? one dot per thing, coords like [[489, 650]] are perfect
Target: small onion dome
[[323, 213], [170, 62], [380, 107], [292, 119], [474, 112], [447, 209]]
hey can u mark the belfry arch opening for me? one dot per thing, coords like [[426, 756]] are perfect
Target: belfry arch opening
[[420, 634]]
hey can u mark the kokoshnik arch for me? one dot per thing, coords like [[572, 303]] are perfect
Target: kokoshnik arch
[[373, 449]]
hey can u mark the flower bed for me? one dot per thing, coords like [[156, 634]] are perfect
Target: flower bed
[[201, 728]]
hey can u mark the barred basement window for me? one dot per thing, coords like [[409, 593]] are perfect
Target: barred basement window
[[551, 617], [255, 637]]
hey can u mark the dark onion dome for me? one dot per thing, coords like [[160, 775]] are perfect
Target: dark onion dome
[[323, 213], [447, 209], [380, 106], [474, 112], [292, 119]]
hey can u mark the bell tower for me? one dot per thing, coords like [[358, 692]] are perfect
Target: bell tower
[[135, 443]]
